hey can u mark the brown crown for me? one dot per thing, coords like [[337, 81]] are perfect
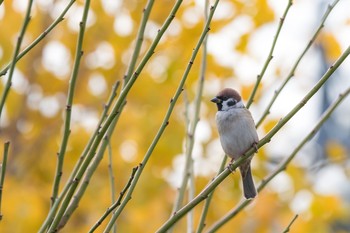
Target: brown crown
[[229, 93]]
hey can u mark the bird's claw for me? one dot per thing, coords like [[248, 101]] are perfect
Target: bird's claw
[[229, 167], [255, 145]]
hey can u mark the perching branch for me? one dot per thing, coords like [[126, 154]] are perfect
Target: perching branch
[[283, 165], [211, 186]]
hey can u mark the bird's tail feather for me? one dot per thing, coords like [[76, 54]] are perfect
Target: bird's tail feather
[[248, 184]]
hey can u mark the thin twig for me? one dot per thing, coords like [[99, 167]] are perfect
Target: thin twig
[[139, 40], [270, 55], [205, 192], [59, 19], [117, 203], [292, 71], [73, 79], [166, 118], [3, 172], [72, 186], [192, 124], [283, 165], [15, 54], [89, 172], [69, 104], [111, 177], [290, 224]]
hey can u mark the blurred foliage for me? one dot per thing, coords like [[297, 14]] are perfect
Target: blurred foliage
[[34, 109]]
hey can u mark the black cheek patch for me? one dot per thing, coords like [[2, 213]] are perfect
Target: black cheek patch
[[231, 103]]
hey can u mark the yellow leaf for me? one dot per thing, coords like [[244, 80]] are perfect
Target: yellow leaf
[[335, 150], [331, 46]]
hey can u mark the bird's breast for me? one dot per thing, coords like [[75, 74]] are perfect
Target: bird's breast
[[237, 131]]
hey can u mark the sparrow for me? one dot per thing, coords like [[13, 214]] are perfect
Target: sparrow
[[237, 133]]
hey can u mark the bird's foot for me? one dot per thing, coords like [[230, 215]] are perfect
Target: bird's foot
[[255, 145], [229, 166]]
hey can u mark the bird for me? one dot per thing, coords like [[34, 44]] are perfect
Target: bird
[[237, 133]]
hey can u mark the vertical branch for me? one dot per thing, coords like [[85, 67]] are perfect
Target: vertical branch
[[2, 172], [139, 40], [62, 151], [296, 64], [15, 54], [91, 169], [111, 177], [72, 185], [54, 208], [270, 55], [69, 103], [59, 19], [192, 124], [166, 118]]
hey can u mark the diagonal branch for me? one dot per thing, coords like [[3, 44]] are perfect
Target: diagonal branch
[[211, 186], [284, 164], [15, 54], [270, 55], [296, 64]]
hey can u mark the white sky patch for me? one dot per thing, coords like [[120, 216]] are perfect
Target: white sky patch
[[123, 24], [4, 121], [83, 117], [128, 150], [301, 201], [20, 5], [57, 59], [151, 30], [283, 185], [74, 16], [227, 38], [44, 4], [175, 28], [2, 12], [49, 106], [331, 180], [102, 57], [111, 7], [192, 16], [224, 10], [97, 84], [19, 83], [157, 68], [203, 132], [24, 126], [34, 96]]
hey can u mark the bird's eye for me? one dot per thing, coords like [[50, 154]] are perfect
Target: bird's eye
[[231, 102]]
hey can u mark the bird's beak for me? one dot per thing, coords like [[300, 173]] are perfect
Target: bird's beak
[[216, 100]]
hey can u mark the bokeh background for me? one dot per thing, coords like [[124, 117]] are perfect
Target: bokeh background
[[316, 184]]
